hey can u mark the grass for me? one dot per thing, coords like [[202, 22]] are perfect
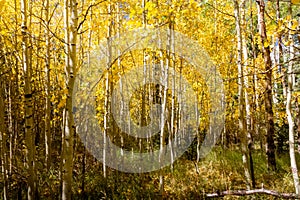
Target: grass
[[220, 170]]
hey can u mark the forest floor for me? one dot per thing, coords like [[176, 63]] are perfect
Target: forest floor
[[221, 170]]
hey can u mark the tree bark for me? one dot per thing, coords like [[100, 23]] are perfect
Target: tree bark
[[289, 114], [251, 192], [246, 85], [47, 92], [268, 87], [70, 69], [3, 134], [29, 136], [165, 80], [242, 119], [107, 91]]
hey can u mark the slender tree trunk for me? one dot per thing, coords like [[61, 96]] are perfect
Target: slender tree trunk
[[165, 80], [289, 113], [29, 136], [84, 158], [13, 136], [143, 107], [3, 135], [3, 138], [70, 69], [172, 129], [242, 120], [107, 92], [47, 91], [246, 86], [291, 126], [268, 87], [120, 68], [255, 119]]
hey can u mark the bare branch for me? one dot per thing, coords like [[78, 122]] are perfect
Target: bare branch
[[220, 11], [48, 28], [87, 12], [251, 192]]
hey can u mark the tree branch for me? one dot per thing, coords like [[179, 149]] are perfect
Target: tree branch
[[220, 11], [251, 192], [87, 12]]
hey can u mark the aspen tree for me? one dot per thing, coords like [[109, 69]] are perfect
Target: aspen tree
[[3, 134], [29, 136], [268, 86], [47, 89], [289, 111], [246, 80], [242, 120], [71, 24]]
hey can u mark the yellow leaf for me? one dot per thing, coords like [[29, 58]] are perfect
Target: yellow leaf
[[280, 22], [266, 43], [2, 5], [52, 98], [149, 6], [287, 43], [295, 1], [65, 91], [132, 13], [62, 103], [294, 24]]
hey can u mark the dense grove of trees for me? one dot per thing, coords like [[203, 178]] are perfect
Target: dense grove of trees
[[44, 45]]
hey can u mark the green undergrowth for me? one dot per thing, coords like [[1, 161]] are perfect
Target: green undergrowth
[[221, 170]]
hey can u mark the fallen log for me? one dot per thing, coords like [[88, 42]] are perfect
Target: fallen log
[[254, 191]]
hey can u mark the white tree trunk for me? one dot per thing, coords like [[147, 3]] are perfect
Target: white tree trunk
[[70, 69], [246, 77], [107, 92], [3, 139], [242, 120], [268, 101], [29, 136], [290, 117], [47, 91]]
